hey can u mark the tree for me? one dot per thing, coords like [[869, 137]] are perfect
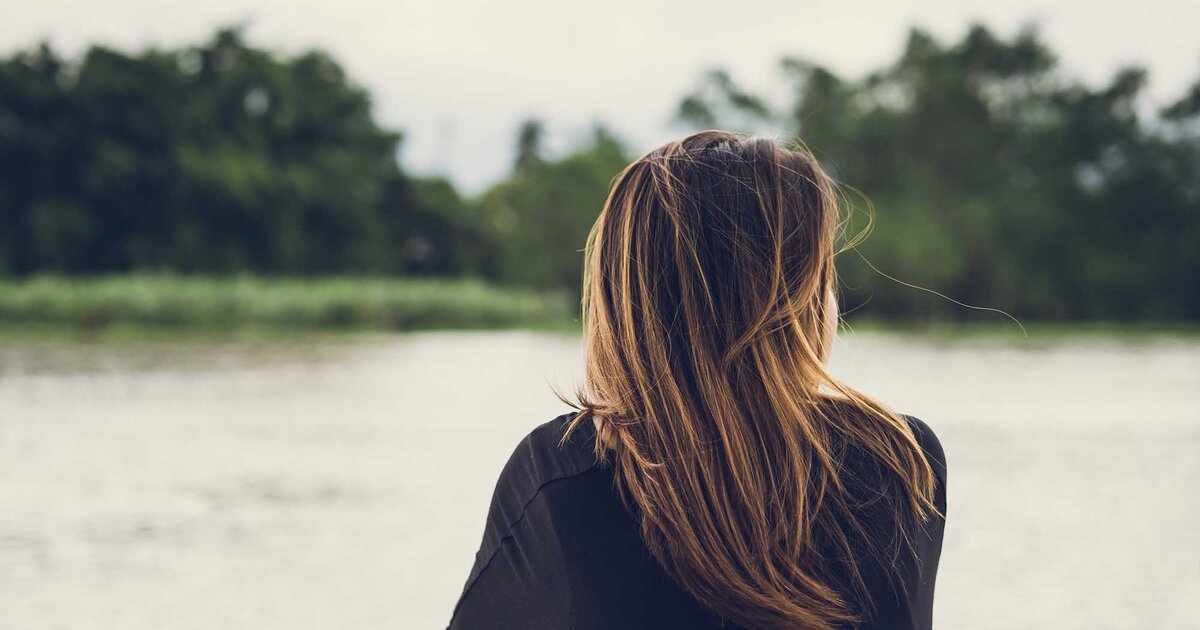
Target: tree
[[529, 143], [220, 157], [540, 216], [997, 181]]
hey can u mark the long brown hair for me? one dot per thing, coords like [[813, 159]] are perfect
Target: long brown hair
[[708, 308]]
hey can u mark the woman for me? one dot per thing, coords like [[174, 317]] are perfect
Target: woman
[[715, 474]]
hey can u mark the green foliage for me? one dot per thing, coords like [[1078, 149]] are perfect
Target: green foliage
[[215, 158], [997, 181], [993, 178], [237, 302], [540, 216]]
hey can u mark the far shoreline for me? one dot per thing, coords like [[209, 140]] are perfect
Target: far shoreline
[[166, 307]]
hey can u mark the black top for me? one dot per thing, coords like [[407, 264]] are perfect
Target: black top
[[560, 551]]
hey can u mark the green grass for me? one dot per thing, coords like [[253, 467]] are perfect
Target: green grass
[[1034, 333], [163, 307], [152, 304]]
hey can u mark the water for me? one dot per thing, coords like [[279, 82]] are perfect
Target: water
[[344, 485]]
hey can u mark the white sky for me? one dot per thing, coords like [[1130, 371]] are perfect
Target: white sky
[[458, 75]]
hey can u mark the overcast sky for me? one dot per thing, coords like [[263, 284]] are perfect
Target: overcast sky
[[458, 75]]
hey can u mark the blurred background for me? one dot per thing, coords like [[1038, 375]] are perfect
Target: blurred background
[[281, 286]]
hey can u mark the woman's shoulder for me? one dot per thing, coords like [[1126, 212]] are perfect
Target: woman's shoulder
[[561, 550], [541, 486], [550, 454], [935, 455], [928, 440], [551, 451]]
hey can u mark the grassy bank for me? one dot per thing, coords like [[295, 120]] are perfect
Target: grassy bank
[[144, 306], [1030, 333], [165, 303]]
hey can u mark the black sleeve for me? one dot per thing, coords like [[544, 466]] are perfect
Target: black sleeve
[[929, 539], [528, 569], [561, 551], [517, 501], [934, 453], [574, 559], [520, 581]]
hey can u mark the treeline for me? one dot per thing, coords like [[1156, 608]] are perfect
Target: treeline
[[997, 180], [993, 178], [215, 158]]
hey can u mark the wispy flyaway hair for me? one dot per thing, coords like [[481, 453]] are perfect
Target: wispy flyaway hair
[[709, 309]]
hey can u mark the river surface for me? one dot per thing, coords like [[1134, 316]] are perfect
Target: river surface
[[344, 484]]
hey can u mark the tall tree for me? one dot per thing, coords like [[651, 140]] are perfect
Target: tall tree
[[540, 215], [996, 180]]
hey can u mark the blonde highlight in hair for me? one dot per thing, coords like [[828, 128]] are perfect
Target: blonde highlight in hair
[[707, 303]]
